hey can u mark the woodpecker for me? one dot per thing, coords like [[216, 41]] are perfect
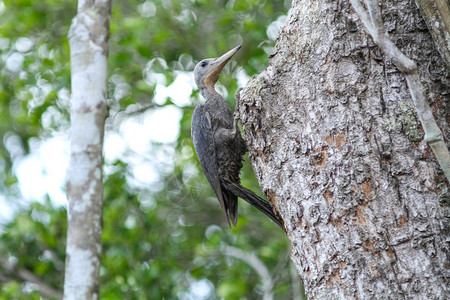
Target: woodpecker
[[219, 144]]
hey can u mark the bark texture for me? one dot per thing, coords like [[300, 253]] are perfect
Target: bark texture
[[88, 39], [436, 14], [337, 147]]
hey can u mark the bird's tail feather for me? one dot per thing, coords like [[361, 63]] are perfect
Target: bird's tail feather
[[253, 199], [231, 207]]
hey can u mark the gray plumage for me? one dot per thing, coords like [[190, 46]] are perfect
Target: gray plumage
[[219, 144]]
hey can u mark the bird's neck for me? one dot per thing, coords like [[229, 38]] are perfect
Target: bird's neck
[[210, 94]]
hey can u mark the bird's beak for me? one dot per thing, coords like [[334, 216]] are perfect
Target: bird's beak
[[217, 66]]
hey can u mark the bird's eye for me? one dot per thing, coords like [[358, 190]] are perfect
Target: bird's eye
[[204, 63]]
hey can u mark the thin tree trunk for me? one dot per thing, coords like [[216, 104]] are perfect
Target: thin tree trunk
[[338, 148], [88, 39]]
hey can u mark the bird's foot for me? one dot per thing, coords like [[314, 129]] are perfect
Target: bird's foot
[[235, 128], [237, 95], [236, 114]]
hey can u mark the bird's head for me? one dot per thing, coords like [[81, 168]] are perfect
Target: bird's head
[[207, 71]]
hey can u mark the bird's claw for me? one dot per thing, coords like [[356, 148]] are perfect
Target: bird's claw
[[237, 95], [236, 114]]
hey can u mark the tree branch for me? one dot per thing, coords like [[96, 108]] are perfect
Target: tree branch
[[256, 264], [297, 288], [371, 18], [45, 289]]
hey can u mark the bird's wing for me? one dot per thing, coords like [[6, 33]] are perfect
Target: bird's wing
[[203, 138]]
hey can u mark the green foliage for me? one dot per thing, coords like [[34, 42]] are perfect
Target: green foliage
[[157, 243], [34, 241]]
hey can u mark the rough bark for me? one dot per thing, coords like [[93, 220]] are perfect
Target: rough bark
[[337, 147], [88, 39], [436, 14]]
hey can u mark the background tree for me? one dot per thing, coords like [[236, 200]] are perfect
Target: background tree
[[163, 239], [338, 147], [88, 37]]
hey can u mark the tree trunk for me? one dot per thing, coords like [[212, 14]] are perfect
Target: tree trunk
[[338, 149], [88, 39]]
